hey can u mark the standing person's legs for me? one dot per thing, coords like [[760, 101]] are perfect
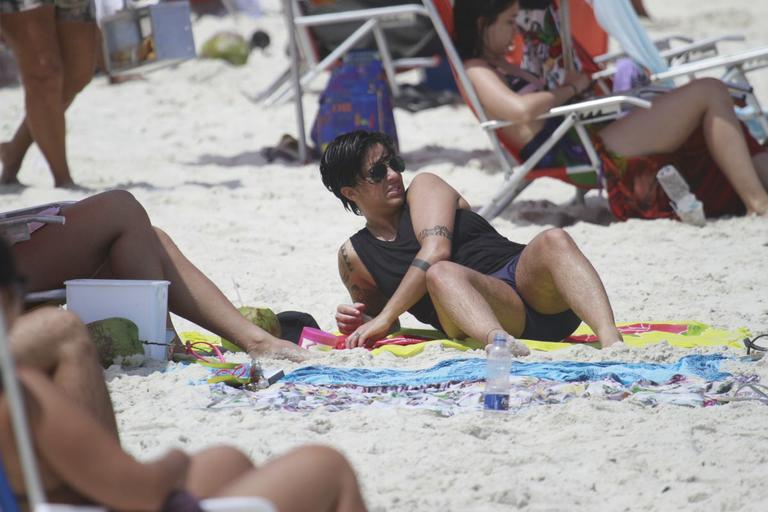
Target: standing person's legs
[[32, 35], [56, 342], [79, 50]]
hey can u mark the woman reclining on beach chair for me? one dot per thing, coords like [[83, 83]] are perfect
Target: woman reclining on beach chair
[[81, 460], [109, 236], [693, 127]]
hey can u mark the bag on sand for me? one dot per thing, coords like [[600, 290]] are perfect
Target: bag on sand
[[357, 97]]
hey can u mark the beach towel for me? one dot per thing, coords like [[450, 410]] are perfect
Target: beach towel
[[456, 386], [410, 342]]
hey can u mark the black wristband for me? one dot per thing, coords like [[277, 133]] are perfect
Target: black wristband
[[420, 264]]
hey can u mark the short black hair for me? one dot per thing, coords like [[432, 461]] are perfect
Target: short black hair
[[342, 161], [468, 39]]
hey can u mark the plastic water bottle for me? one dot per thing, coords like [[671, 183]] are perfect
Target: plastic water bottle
[[499, 362], [686, 206]]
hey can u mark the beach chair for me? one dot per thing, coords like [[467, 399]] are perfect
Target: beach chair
[[668, 64], [372, 23], [15, 227], [35, 493], [518, 173]]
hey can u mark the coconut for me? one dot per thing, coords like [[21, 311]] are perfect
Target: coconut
[[261, 317], [117, 342]]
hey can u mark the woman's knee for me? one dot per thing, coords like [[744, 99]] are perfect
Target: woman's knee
[[441, 274], [326, 456], [121, 204], [712, 89], [554, 240], [43, 75], [69, 335]]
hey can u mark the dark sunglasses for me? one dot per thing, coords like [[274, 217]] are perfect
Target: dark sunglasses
[[378, 171]]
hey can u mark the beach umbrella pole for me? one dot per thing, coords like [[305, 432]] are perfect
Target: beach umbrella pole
[[15, 400], [565, 35]]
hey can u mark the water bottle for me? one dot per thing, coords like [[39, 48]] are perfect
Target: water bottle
[[499, 362], [686, 206]]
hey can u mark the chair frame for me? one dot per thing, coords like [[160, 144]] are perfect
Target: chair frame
[[280, 90], [575, 116]]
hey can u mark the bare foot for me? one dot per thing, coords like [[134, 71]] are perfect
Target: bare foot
[[10, 166], [517, 347]]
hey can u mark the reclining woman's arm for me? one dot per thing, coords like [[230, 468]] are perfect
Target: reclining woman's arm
[[502, 103], [82, 454], [433, 204]]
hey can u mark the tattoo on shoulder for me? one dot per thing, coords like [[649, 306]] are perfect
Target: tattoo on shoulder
[[345, 257], [435, 231]]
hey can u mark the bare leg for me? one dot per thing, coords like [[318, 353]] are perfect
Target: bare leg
[[32, 36], [760, 161], [325, 478], [57, 343], [554, 275], [469, 303], [674, 117], [113, 229], [79, 49]]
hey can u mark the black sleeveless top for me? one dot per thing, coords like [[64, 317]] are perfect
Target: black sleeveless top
[[476, 245]]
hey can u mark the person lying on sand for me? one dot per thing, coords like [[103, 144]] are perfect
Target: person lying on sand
[[80, 459], [109, 236], [424, 251]]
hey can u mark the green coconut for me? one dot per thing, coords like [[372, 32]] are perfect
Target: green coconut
[[262, 317], [228, 46], [117, 342]]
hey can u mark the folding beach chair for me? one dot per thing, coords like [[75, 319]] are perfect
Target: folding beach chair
[[576, 116], [15, 227], [372, 23], [34, 490], [667, 63]]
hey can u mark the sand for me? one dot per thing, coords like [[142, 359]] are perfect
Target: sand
[[187, 143]]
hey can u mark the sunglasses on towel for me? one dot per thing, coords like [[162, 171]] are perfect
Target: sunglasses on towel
[[378, 171]]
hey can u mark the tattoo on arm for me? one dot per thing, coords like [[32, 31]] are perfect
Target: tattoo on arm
[[435, 231], [345, 257], [421, 264]]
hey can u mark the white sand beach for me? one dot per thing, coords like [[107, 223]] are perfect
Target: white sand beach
[[186, 142]]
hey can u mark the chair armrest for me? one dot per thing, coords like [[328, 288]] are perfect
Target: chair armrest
[[706, 45], [32, 210], [583, 110], [667, 51], [756, 58], [360, 15]]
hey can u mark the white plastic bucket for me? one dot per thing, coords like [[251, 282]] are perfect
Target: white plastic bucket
[[145, 303]]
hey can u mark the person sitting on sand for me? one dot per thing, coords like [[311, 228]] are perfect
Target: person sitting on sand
[[77, 445], [693, 127], [424, 251], [109, 236]]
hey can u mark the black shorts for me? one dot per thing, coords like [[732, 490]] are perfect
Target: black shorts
[[538, 326]]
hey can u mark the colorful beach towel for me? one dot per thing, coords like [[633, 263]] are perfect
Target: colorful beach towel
[[410, 342], [456, 385]]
